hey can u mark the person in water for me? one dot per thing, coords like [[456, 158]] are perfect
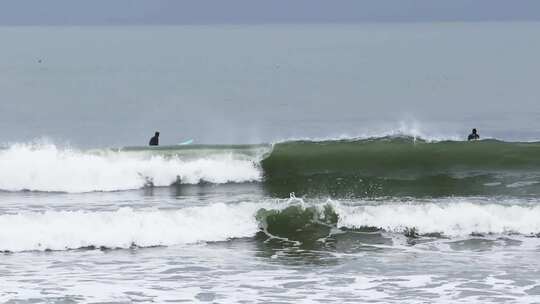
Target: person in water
[[474, 135], [154, 141]]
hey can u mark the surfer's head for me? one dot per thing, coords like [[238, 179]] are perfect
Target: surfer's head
[[156, 134], [473, 131]]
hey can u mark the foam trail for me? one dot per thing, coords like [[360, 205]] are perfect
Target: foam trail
[[452, 219], [60, 230], [48, 168]]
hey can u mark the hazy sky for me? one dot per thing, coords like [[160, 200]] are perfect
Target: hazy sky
[[96, 12]]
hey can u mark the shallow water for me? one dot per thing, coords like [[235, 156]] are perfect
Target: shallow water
[[353, 265]]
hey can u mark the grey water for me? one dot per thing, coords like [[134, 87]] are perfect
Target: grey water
[[113, 86], [83, 224]]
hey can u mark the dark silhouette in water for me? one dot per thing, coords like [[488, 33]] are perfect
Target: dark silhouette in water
[[474, 135], [154, 141]]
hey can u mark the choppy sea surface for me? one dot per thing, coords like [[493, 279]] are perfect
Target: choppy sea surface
[[327, 166]]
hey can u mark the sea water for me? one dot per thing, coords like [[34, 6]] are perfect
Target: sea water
[[327, 166]]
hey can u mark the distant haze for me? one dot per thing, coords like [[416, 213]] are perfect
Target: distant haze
[[143, 12]]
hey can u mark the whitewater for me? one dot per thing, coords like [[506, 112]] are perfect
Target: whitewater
[[128, 228], [235, 236], [374, 166], [48, 168], [284, 208], [329, 164]]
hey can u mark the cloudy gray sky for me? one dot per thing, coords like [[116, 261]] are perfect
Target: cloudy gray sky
[[107, 12]]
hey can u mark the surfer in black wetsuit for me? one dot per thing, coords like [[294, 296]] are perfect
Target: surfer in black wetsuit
[[154, 141], [474, 135]]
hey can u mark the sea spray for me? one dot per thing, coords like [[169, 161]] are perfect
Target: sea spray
[[49, 168]]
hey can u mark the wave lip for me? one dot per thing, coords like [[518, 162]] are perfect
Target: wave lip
[[48, 168]]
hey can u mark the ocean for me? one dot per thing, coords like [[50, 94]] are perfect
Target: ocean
[[328, 164]]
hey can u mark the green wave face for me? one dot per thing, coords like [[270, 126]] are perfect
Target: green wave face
[[377, 167], [298, 224], [403, 167]]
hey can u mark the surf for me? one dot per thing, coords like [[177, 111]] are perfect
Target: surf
[[357, 167], [298, 222], [53, 169]]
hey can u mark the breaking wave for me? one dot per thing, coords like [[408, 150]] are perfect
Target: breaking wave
[[385, 166], [405, 157], [48, 168], [403, 166], [292, 219], [61, 230]]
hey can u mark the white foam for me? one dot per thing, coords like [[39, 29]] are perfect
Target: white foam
[[60, 230], [48, 168], [452, 219]]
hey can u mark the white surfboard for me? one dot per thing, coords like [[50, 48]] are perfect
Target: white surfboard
[[187, 142]]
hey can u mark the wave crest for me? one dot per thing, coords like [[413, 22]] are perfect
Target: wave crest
[[62, 230], [451, 219], [293, 220], [387, 166], [48, 168]]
